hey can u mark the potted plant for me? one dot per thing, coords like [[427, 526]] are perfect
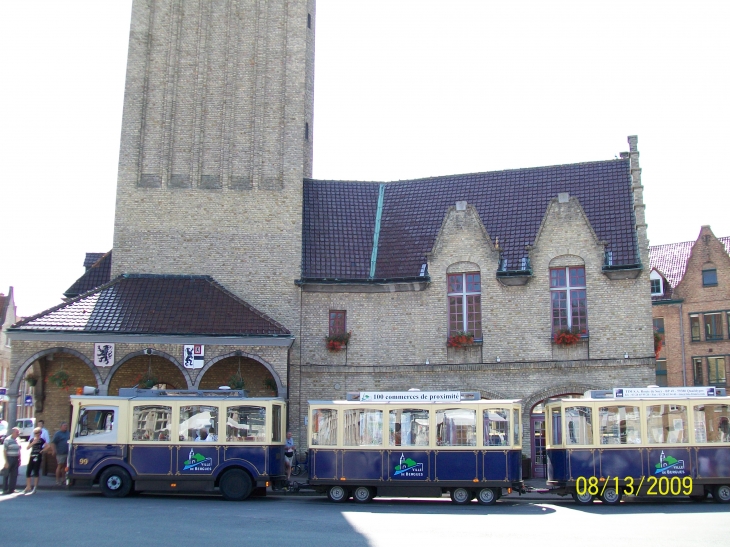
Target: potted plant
[[236, 381], [61, 379], [147, 380], [270, 384], [335, 342], [658, 343], [31, 380], [567, 337], [460, 339]]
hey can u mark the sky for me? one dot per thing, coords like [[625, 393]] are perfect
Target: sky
[[403, 89]]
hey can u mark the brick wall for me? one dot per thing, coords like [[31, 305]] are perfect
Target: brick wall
[[213, 145], [690, 296]]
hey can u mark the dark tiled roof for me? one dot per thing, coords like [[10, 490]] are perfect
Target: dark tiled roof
[[91, 259], [670, 260], [99, 273], [157, 304], [339, 217]]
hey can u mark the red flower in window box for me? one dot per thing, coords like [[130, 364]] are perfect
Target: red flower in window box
[[568, 337], [460, 339], [335, 342], [658, 343]]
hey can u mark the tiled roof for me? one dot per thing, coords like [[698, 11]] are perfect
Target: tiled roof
[[670, 260], [99, 273], [339, 217], [157, 304], [91, 259]]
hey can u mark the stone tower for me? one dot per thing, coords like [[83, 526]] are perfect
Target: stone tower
[[216, 138]]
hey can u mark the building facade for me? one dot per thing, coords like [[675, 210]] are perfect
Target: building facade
[[690, 287], [323, 287]]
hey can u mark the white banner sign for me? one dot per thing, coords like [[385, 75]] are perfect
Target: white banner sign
[[103, 355], [193, 356], [663, 392], [410, 396]]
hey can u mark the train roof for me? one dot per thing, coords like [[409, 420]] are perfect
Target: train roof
[[177, 394], [651, 393]]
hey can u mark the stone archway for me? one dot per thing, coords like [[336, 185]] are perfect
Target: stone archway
[[259, 377], [533, 435], [60, 372], [135, 368]]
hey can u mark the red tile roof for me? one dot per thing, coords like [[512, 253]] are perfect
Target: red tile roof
[[157, 304], [670, 260]]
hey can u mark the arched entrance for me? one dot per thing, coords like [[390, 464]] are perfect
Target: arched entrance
[[147, 371], [538, 440], [239, 372]]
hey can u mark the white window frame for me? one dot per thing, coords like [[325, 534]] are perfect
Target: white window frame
[[567, 289], [654, 276]]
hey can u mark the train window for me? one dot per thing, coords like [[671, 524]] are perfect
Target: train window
[[275, 423], [324, 427], [97, 425], [151, 423], [246, 424], [198, 423], [619, 425], [456, 427], [496, 426], [516, 426], [579, 423], [363, 427], [712, 423], [556, 426], [408, 427], [667, 424]]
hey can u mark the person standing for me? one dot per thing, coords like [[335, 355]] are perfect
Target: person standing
[[60, 442], [288, 454], [33, 469], [44, 432], [11, 449]]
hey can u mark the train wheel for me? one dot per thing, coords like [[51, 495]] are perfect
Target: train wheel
[[460, 496], [487, 496], [115, 482], [611, 496], [362, 494], [235, 485], [583, 499], [721, 493], [337, 493]]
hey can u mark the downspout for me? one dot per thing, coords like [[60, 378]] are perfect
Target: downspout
[[376, 233], [681, 337]]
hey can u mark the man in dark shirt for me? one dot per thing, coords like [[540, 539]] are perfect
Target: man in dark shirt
[[60, 441]]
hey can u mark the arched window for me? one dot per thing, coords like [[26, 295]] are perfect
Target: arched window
[[568, 299], [465, 303]]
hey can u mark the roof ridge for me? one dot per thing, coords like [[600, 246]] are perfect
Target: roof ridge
[[512, 170]]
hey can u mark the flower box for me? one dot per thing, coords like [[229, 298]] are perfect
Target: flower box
[[568, 337], [460, 339], [336, 342]]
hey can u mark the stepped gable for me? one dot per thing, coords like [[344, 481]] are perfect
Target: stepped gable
[[670, 260], [339, 216], [157, 304], [95, 276]]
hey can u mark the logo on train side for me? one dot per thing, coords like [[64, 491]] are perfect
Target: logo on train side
[[407, 467], [198, 462], [669, 465]]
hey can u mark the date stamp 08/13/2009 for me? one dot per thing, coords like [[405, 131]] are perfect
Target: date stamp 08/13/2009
[[655, 486]]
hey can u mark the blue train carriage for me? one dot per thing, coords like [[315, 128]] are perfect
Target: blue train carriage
[[178, 441], [415, 444], [648, 442]]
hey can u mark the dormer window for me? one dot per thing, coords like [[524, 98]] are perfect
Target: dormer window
[[657, 284]]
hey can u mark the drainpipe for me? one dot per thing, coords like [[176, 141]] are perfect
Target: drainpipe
[[681, 337]]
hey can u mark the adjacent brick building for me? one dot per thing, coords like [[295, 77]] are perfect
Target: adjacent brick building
[[214, 195], [690, 287]]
